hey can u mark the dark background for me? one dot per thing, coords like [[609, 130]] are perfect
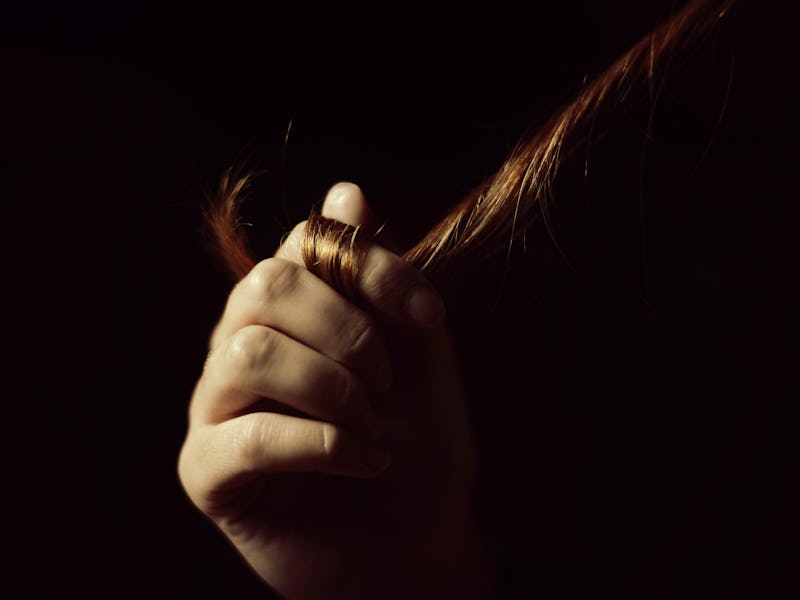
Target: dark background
[[117, 123]]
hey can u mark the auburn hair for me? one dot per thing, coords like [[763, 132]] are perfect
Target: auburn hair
[[499, 209]]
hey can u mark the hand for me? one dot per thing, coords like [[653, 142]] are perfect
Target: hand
[[330, 443]]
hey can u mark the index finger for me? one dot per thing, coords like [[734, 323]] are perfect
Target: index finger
[[386, 281]]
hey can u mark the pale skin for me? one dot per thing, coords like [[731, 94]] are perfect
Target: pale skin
[[330, 442]]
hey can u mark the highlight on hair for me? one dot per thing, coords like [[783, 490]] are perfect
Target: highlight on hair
[[334, 252], [497, 211], [224, 224]]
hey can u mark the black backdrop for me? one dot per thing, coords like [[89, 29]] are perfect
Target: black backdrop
[[118, 121]]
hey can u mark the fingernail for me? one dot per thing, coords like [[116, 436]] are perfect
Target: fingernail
[[376, 459], [424, 306]]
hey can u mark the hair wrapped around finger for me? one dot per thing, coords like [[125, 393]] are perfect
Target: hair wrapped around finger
[[334, 252]]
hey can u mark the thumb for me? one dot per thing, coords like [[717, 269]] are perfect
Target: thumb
[[345, 202]]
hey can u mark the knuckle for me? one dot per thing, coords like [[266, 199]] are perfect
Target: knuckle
[[291, 244], [184, 469], [247, 348], [192, 469], [383, 282], [357, 340], [248, 441], [298, 231], [346, 389], [272, 278]]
